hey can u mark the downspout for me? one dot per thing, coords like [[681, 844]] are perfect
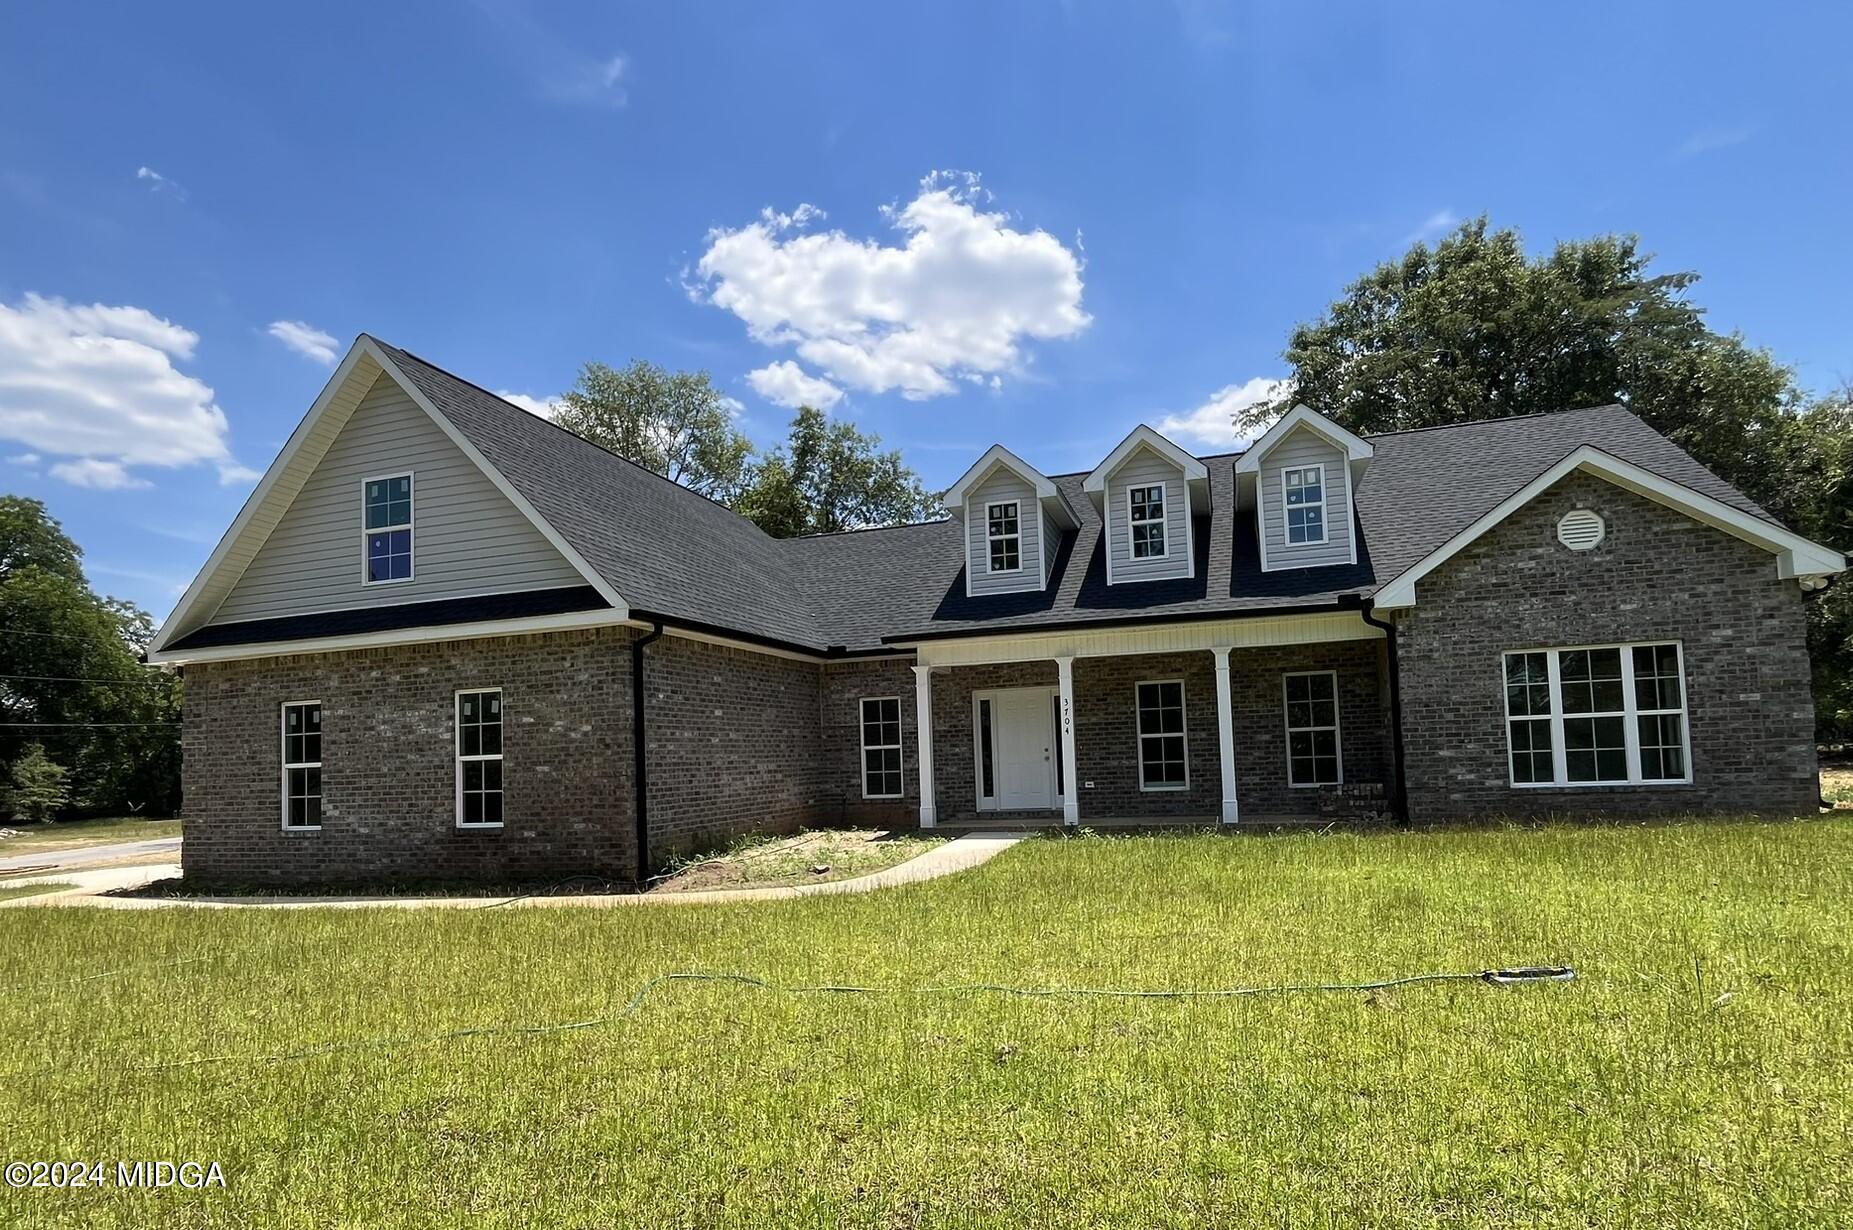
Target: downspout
[[1399, 800], [640, 776]]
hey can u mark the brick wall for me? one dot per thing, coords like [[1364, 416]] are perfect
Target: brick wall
[[388, 784], [955, 786], [845, 683], [1657, 575], [734, 741], [1257, 691], [1106, 737]]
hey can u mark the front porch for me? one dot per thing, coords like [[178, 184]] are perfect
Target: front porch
[[1262, 722]]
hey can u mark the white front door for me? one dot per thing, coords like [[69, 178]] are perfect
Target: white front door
[[1025, 734]]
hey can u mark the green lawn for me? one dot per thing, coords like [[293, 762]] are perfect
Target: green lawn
[[16, 891], [33, 838], [1631, 1096]]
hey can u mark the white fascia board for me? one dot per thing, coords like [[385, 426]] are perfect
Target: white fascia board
[[1095, 484], [1796, 556], [995, 456], [1355, 447], [525, 626], [184, 610], [553, 536]]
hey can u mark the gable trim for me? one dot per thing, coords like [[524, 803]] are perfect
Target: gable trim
[[1797, 557], [524, 626], [188, 613], [1355, 448], [1143, 437]]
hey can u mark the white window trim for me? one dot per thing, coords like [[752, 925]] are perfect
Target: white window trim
[[1163, 519], [990, 538], [900, 748], [1183, 704], [283, 744], [409, 527], [1630, 713], [1286, 720], [456, 747], [1286, 509]]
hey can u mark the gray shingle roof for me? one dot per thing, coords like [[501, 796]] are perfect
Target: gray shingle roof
[[678, 555]]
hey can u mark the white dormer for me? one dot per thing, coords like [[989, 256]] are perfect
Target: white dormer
[[1014, 518], [1300, 478], [1149, 492]]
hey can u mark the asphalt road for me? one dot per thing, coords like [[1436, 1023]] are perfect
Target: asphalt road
[[89, 856]]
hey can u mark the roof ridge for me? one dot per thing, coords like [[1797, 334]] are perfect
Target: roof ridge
[[1502, 418], [592, 444], [864, 529]]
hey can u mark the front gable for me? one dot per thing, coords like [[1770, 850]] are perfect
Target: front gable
[[296, 550]]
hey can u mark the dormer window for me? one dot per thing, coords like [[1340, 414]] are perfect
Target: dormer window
[[1004, 534], [1305, 487], [387, 528], [1147, 506]]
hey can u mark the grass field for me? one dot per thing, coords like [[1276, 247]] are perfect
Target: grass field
[[35, 838], [1637, 1095], [15, 892]]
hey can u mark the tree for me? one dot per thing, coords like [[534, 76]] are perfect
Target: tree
[[829, 477], [1474, 328], [35, 791], [675, 423], [71, 667]]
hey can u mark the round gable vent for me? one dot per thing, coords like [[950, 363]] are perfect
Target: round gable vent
[[1580, 529]]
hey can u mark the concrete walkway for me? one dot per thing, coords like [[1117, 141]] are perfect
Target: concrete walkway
[[961, 853], [90, 856]]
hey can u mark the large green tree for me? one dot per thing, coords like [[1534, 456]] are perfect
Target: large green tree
[[71, 674], [675, 423], [1476, 328], [829, 476]]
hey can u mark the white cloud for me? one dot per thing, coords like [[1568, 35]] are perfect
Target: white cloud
[[234, 475], [1710, 139], [97, 385], [159, 183], [95, 472], [305, 339], [1213, 422], [25, 459], [956, 301], [545, 407], [595, 82], [1434, 226], [786, 384]]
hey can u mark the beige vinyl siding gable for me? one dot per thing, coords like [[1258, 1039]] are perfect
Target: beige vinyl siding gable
[[1305, 448], [1003, 484], [468, 538], [1147, 469]]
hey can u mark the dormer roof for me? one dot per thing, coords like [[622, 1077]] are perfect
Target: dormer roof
[[1142, 437], [1357, 449], [998, 457]]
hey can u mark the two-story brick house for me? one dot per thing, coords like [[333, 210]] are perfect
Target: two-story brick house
[[447, 639]]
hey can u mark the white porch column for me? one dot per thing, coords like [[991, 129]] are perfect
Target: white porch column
[[1071, 798], [1225, 734], [923, 733]]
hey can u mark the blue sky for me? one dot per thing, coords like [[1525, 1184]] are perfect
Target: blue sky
[[1133, 206]]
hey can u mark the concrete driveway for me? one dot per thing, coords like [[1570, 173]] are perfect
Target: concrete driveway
[[90, 856]]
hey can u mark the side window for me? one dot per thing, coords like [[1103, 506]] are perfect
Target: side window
[[881, 747], [479, 758], [1312, 730], [302, 764], [1003, 534], [1147, 512], [1304, 487], [386, 535], [1597, 715]]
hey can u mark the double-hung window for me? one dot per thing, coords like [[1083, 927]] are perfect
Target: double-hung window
[[881, 747], [302, 764], [1313, 757], [1305, 489], [1598, 715], [387, 528], [1003, 533], [479, 758], [1163, 744], [1147, 513]]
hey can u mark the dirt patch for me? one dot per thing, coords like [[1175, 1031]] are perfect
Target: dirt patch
[[1837, 786], [805, 858]]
